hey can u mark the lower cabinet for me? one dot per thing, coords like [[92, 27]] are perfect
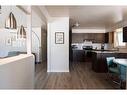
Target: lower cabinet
[[99, 63], [78, 55], [125, 34]]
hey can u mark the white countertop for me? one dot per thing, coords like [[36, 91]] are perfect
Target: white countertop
[[14, 58], [120, 61]]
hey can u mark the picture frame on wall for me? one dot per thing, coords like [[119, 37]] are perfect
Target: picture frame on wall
[[59, 37], [14, 38], [8, 41]]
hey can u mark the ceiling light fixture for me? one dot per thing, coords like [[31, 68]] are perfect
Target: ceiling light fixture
[[21, 33], [10, 22], [76, 24]]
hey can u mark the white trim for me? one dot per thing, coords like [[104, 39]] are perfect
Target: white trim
[[58, 71]]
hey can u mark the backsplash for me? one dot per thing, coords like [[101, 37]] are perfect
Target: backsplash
[[123, 49], [94, 45], [94, 37]]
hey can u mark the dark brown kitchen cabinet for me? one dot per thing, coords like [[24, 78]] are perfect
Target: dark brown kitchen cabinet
[[106, 37], [78, 55], [99, 63], [111, 37], [94, 37], [125, 34]]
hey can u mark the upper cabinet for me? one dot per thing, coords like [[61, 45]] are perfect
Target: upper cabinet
[[125, 34], [109, 37], [106, 37], [94, 37]]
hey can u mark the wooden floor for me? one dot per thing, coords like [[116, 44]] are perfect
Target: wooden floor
[[80, 76]]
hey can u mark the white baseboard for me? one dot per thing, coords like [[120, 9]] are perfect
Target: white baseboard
[[57, 70]]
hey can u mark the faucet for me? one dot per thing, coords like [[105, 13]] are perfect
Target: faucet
[[102, 46]]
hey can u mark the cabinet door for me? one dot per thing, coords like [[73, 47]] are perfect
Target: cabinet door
[[106, 37], [122, 55], [111, 37], [124, 34], [78, 55]]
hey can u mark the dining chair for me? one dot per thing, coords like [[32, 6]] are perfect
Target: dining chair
[[113, 69], [123, 70]]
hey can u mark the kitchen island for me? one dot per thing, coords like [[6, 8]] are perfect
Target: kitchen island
[[99, 59]]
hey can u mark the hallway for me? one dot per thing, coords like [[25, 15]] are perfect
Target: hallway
[[80, 76]]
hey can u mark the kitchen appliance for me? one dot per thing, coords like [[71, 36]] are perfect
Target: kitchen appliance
[[88, 50], [87, 47]]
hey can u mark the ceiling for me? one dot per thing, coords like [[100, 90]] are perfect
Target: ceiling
[[90, 16]]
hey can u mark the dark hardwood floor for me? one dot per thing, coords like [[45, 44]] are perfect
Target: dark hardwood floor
[[80, 76]]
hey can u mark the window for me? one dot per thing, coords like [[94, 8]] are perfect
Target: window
[[118, 38]]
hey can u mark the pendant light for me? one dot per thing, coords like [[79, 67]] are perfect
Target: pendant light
[[11, 22], [22, 32]]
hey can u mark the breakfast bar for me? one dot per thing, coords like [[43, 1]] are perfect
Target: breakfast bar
[[17, 72], [99, 59]]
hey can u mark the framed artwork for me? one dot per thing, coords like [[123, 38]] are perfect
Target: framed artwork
[[59, 37], [8, 41], [14, 38]]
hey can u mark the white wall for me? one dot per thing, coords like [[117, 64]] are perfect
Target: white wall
[[58, 54], [17, 72], [17, 45], [116, 26], [19, 15], [20, 44], [21, 18]]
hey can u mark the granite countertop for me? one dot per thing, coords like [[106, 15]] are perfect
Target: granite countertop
[[101, 51], [108, 52], [77, 49]]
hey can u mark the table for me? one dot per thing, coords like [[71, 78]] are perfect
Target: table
[[120, 61]]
